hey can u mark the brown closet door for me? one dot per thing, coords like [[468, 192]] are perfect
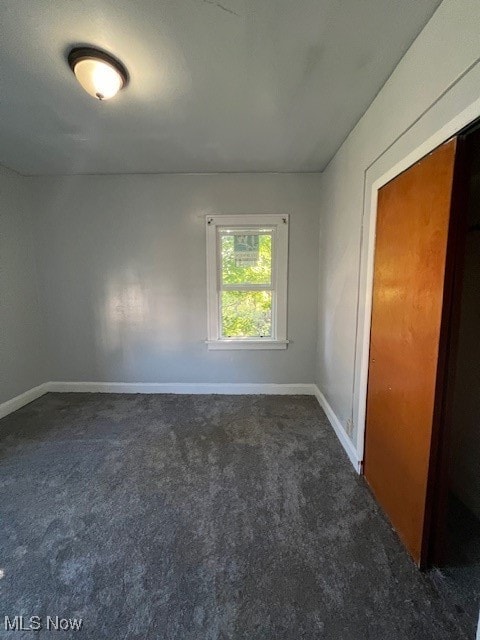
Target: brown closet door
[[409, 275]]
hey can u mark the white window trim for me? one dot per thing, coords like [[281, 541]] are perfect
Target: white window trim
[[279, 277]]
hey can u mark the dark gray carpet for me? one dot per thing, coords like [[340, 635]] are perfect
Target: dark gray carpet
[[202, 518]]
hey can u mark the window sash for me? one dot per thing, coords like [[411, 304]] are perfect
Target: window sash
[[245, 287]]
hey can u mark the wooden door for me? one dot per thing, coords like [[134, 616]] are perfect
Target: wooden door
[[412, 235]]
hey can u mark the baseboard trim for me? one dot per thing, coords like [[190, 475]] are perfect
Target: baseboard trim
[[183, 388], [9, 406], [340, 432]]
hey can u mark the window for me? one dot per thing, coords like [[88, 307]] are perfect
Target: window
[[247, 259]]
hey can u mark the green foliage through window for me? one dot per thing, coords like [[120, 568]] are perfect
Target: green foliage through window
[[246, 313], [259, 273]]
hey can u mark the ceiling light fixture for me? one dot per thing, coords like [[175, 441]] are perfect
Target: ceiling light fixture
[[99, 73]]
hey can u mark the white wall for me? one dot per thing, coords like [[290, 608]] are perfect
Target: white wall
[[123, 275], [438, 78], [22, 359]]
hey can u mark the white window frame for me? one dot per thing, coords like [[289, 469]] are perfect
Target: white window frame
[[279, 224]]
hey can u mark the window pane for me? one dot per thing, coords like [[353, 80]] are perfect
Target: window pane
[[246, 314], [246, 258]]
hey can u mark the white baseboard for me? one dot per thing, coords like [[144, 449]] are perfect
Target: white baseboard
[[24, 398], [345, 441], [183, 388]]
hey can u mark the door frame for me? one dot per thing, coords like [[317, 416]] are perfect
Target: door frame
[[367, 260]]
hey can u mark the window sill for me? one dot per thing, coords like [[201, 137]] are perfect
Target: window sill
[[225, 345]]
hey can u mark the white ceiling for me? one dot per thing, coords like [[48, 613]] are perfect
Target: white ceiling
[[227, 85]]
